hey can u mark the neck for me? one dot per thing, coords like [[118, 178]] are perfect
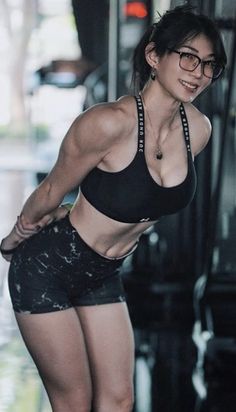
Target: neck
[[161, 114], [161, 109]]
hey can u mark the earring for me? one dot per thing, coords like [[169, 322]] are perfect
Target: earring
[[153, 74]]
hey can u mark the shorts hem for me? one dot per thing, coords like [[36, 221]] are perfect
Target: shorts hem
[[84, 302], [45, 310], [99, 301]]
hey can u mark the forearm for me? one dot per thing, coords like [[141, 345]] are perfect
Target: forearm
[[40, 203]]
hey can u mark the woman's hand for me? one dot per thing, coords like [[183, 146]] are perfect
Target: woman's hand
[[55, 215], [23, 230], [20, 232], [9, 244]]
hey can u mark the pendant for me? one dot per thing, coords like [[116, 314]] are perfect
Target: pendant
[[159, 155]]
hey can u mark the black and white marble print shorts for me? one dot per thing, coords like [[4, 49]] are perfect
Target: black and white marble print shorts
[[56, 270]]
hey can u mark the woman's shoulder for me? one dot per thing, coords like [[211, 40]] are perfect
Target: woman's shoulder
[[200, 128], [108, 120]]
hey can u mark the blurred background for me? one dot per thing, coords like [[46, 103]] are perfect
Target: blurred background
[[57, 58]]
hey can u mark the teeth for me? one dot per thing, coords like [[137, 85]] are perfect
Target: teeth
[[188, 85]]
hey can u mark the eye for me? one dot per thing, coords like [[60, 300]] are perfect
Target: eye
[[188, 56], [210, 63]]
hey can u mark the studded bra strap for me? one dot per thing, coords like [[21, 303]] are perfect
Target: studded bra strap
[[184, 121], [141, 127]]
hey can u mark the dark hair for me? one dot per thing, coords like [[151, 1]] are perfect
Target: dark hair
[[173, 29]]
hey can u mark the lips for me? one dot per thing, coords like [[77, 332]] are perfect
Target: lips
[[189, 86]]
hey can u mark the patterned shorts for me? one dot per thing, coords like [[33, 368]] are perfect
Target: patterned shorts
[[55, 270]]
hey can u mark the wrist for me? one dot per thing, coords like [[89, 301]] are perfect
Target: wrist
[[17, 234], [12, 240], [7, 251], [23, 229], [9, 244]]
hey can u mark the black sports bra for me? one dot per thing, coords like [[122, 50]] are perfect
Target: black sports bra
[[131, 195]]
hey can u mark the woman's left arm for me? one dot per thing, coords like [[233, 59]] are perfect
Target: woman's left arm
[[201, 132]]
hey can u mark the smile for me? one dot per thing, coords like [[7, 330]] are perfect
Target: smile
[[190, 86]]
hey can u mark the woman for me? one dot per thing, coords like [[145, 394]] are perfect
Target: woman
[[133, 162]]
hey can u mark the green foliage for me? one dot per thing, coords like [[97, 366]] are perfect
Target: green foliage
[[40, 132]]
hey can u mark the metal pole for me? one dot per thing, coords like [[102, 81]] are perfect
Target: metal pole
[[113, 50], [215, 204]]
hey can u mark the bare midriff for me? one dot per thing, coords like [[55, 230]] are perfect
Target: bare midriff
[[106, 236]]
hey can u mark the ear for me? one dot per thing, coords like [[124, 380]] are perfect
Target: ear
[[151, 55]]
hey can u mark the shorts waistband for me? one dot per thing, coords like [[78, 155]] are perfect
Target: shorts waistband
[[107, 258]]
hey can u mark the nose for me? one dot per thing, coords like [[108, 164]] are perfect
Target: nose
[[198, 72]]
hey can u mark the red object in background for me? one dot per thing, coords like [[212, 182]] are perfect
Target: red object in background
[[136, 9]]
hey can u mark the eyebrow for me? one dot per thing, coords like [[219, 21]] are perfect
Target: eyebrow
[[197, 51]]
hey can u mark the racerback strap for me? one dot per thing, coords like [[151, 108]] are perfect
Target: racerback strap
[[141, 126]]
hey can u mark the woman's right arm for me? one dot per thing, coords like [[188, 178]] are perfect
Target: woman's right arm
[[84, 146]]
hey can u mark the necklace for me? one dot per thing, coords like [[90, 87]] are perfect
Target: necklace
[[158, 154]]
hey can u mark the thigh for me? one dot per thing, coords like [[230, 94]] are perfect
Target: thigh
[[56, 344], [110, 345]]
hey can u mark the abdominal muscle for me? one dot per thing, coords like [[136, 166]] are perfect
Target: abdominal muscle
[[106, 236]]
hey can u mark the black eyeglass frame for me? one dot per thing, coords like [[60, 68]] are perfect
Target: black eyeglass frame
[[200, 61]]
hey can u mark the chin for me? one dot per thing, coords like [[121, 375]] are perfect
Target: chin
[[187, 97], [181, 99], [190, 99]]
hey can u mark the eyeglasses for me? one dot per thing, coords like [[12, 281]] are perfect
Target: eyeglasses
[[189, 62]]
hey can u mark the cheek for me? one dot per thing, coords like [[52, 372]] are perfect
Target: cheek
[[167, 73]]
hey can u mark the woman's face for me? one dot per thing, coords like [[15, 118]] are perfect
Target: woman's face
[[184, 85]]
